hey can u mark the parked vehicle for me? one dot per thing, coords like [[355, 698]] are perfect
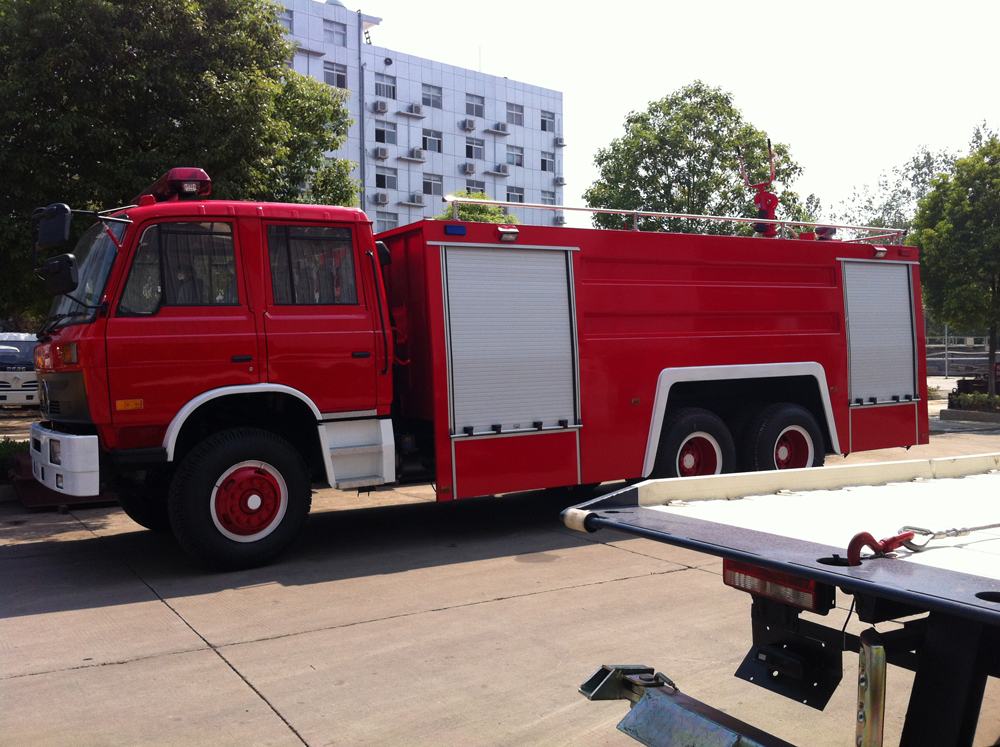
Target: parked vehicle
[[213, 359], [18, 383]]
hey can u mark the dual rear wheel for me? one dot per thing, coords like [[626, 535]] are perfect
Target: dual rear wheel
[[695, 441]]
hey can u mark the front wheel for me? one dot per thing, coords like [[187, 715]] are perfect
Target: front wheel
[[783, 436], [239, 498], [694, 441]]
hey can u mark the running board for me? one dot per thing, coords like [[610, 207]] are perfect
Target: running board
[[360, 453]]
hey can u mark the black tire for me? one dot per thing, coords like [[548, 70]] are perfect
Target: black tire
[[143, 498], [239, 498], [694, 441], [783, 436]]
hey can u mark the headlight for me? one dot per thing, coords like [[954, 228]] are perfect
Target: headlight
[[55, 452]]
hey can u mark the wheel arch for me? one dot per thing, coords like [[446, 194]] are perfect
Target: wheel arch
[[675, 383], [279, 409]]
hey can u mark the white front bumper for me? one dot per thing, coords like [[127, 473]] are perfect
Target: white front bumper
[[67, 464]]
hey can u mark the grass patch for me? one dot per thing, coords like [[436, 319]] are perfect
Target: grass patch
[[979, 402], [9, 447]]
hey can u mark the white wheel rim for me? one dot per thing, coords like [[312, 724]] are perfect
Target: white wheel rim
[[788, 448], [693, 451], [254, 501]]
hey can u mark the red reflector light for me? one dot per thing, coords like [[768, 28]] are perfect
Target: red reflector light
[[179, 184], [781, 587]]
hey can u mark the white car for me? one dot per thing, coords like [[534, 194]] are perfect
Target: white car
[[18, 384]]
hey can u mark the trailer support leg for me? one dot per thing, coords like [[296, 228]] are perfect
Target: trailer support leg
[[952, 665]]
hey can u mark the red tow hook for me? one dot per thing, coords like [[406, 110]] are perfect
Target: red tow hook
[[863, 539]]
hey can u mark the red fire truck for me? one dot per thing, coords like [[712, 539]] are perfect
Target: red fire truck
[[211, 360]]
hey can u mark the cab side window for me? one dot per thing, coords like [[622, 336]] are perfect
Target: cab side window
[[312, 265], [181, 264]]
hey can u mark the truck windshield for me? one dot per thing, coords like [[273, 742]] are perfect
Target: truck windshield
[[95, 255]]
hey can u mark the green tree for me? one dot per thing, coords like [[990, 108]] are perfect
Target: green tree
[[957, 227], [101, 97], [477, 213], [893, 201], [679, 156]]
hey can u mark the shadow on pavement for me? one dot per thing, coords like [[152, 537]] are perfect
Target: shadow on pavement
[[76, 570]]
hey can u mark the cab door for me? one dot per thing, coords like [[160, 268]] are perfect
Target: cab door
[[181, 326], [319, 322]]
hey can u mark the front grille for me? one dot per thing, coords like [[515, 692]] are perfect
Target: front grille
[[30, 385], [53, 407], [6, 384]]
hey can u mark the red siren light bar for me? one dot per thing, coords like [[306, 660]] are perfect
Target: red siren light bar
[[177, 184]]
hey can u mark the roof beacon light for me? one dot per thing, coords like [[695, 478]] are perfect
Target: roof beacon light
[[508, 233], [781, 587], [177, 184]]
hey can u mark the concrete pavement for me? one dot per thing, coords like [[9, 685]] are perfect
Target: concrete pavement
[[417, 623]]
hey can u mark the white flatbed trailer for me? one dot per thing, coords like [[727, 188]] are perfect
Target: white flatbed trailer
[[799, 524]]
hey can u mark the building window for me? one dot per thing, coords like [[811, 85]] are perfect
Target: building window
[[431, 96], [475, 106], [386, 220], [336, 34], [475, 187], [385, 86], [385, 132], [548, 122], [515, 155], [515, 194], [515, 114], [335, 75], [548, 161], [433, 185], [548, 198], [475, 148], [312, 265], [285, 19], [385, 178], [432, 141]]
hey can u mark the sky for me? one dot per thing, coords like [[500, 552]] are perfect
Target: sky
[[854, 88]]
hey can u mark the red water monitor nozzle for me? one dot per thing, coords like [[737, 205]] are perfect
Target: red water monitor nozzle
[[766, 202]]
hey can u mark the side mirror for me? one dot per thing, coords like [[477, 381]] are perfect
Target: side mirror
[[53, 227], [60, 274], [384, 257]]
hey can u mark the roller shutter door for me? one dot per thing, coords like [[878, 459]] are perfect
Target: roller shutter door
[[511, 339], [880, 330]]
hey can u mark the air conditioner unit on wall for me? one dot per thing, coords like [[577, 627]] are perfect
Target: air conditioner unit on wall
[[381, 198], [416, 108], [501, 127], [560, 142], [380, 107], [468, 168], [417, 198], [560, 181], [381, 153], [503, 168], [560, 220], [418, 153], [468, 125]]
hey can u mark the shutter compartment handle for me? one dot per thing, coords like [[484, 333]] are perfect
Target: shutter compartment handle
[[242, 358], [361, 354]]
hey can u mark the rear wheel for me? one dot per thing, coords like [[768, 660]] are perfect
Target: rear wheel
[[694, 441], [239, 498], [783, 436]]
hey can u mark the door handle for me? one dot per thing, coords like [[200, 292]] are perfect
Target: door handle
[[242, 358], [362, 354]]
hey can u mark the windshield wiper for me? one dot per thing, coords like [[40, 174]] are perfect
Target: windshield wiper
[[49, 324]]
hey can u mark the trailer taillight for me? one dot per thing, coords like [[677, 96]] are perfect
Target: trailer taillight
[[781, 587]]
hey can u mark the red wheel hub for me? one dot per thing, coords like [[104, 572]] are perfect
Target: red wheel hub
[[248, 500], [792, 450], [698, 456]]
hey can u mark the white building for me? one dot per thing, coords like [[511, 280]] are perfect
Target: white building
[[423, 129]]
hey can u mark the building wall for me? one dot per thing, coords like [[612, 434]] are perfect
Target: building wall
[[321, 45]]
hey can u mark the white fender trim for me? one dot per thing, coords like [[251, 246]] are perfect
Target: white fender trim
[[174, 429], [670, 376]]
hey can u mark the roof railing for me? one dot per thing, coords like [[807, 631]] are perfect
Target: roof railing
[[784, 226]]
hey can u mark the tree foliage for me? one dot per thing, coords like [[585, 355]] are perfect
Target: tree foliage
[[477, 213], [679, 156], [101, 97], [957, 228]]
